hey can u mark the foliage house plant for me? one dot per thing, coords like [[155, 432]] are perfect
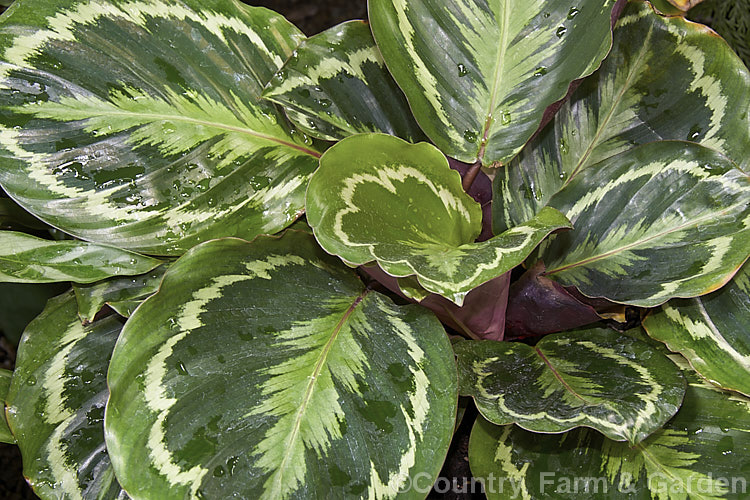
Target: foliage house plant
[[296, 261]]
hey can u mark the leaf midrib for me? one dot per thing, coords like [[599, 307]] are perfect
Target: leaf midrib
[[650, 458], [311, 387], [559, 378], [221, 126]]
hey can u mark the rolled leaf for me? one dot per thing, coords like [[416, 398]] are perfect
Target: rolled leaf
[[665, 79], [336, 84], [118, 293], [596, 378], [711, 332], [666, 219], [267, 370], [56, 403], [28, 259], [138, 123], [378, 198], [5, 434], [700, 454], [479, 75]]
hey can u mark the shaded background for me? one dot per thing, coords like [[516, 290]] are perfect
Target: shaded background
[[20, 303]]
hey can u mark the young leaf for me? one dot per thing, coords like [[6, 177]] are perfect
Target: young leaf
[[28, 259], [139, 123], [596, 378], [267, 370], [663, 220], [711, 332], [479, 75], [378, 198], [118, 293], [56, 403], [336, 84], [666, 79], [5, 435], [699, 454]]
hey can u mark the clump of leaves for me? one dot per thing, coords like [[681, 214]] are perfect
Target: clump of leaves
[[244, 211]]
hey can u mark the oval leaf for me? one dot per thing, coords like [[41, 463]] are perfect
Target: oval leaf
[[665, 79], [56, 403], [164, 145], [479, 75], [700, 454], [118, 293], [711, 332], [378, 198], [336, 84], [5, 434], [664, 220], [595, 378], [28, 259], [266, 370]]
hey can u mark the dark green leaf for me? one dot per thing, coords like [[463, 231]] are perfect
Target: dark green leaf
[[596, 378], [5, 434], [267, 370], [336, 84], [56, 403]]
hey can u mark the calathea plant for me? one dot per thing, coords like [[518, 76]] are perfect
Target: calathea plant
[[229, 188]]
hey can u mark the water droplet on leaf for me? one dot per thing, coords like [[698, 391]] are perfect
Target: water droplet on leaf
[[462, 71], [470, 136], [561, 31], [573, 12]]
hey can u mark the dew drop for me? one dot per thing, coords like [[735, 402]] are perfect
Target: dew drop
[[546, 15], [181, 368], [573, 12], [563, 146], [470, 136], [219, 471], [561, 31], [694, 133], [304, 93], [541, 71], [462, 71], [505, 118]]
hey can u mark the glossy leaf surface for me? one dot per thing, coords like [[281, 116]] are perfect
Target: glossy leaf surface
[[164, 145], [711, 332], [665, 79], [702, 453], [666, 219], [118, 293], [56, 403], [5, 434], [378, 198], [336, 84], [28, 259], [479, 75], [268, 370], [595, 378]]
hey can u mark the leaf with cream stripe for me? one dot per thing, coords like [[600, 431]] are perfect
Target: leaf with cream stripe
[[28, 259], [165, 145], [665, 79], [268, 370], [699, 454], [336, 84], [666, 219], [378, 198], [711, 332], [595, 378], [56, 403], [5, 434], [479, 74]]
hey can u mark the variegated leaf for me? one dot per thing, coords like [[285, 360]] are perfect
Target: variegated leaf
[[663, 220], [711, 332], [267, 370], [665, 79], [56, 403], [139, 123], [5, 434], [118, 293], [378, 198], [336, 84], [596, 378], [703, 453], [479, 74], [28, 259]]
